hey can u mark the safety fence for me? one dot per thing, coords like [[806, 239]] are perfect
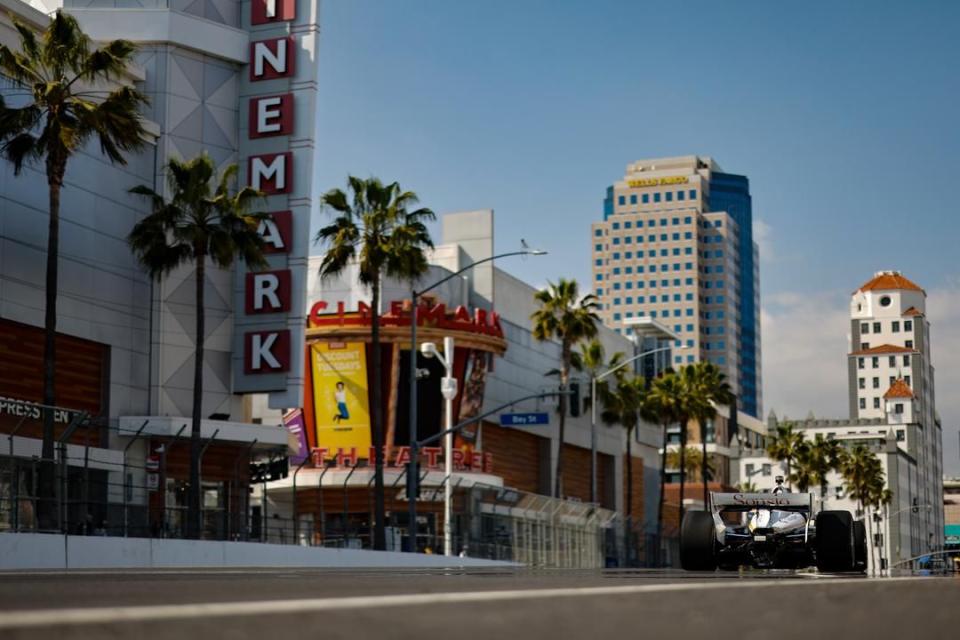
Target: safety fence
[[128, 491]]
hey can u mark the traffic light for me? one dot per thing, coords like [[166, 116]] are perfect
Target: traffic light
[[574, 399]]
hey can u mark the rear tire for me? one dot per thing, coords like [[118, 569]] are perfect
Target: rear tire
[[859, 546], [698, 542], [835, 541]]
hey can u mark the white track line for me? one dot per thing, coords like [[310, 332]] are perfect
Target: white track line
[[106, 615]]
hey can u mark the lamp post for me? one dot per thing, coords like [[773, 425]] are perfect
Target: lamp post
[[448, 388], [594, 379], [413, 473]]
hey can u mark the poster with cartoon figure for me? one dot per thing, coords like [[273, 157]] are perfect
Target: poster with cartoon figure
[[340, 397]]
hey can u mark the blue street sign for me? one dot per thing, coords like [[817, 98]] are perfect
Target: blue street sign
[[523, 419]]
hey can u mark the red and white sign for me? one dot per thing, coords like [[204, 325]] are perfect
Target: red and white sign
[[271, 116], [266, 351], [277, 232], [268, 291], [267, 11], [272, 59], [271, 173]]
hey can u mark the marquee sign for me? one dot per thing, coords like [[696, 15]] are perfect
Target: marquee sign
[[278, 101]]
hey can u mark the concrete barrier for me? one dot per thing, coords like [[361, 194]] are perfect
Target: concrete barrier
[[20, 551]]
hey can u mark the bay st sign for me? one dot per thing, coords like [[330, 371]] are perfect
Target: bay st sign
[[278, 132]]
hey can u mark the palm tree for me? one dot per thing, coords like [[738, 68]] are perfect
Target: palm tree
[[376, 229], [623, 405], [565, 316], [708, 388], [662, 403], [824, 456], [591, 359], [694, 458], [785, 445], [58, 71], [805, 467], [747, 486], [863, 480], [203, 219]]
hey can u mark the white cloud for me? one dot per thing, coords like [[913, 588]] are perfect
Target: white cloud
[[763, 236], [805, 342]]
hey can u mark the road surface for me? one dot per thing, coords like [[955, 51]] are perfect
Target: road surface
[[532, 605]]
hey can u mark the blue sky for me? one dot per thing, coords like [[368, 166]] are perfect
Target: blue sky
[[842, 114]]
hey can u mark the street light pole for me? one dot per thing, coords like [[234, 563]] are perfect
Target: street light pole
[[413, 474], [448, 388], [594, 379]]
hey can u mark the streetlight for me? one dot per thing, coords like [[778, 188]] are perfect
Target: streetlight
[[413, 476], [448, 387], [641, 324]]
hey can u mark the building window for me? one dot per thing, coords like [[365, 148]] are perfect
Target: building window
[[599, 277], [669, 195], [616, 286], [909, 344], [892, 380], [864, 345], [906, 361], [616, 226], [767, 470], [896, 326], [901, 436], [876, 403], [876, 383], [876, 327], [680, 195], [907, 380], [864, 328], [616, 241], [863, 404], [622, 200], [633, 199], [892, 360], [646, 198], [656, 197], [908, 325], [898, 408], [693, 194], [616, 301], [862, 383], [875, 362], [860, 363]]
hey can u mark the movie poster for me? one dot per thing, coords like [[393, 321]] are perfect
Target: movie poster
[[297, 436], [340, 399], [471, 402]]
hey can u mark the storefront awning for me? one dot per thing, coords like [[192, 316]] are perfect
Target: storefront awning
[[265, 436]]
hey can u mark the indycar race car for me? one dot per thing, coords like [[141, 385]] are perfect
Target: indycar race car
[[775, 530]]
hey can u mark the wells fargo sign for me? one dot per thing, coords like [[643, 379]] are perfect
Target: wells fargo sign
[[278, 130], [657, 182]]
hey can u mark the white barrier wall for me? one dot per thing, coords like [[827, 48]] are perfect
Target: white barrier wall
[[51, 551]]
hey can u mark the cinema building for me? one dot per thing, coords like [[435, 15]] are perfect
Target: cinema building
[[503, 470], [236, 80]]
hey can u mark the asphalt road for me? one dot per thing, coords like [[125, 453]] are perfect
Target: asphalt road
[[272, 604]]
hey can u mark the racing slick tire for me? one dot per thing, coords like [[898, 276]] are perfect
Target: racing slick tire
[[698, 542], [835, 541], [859, 546]]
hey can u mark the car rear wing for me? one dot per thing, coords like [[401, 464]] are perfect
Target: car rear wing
[[747, 501]]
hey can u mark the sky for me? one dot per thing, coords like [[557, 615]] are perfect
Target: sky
[[842, 114]]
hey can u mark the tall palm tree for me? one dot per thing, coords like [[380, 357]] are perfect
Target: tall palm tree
[[805, 467], [565, 316], [824, 456], [591, 359], [785, 445], [707, 388], [623, 406], [694, 459], [58, 72], [863, 479], [378, 228], [204, 219], [662, 403]]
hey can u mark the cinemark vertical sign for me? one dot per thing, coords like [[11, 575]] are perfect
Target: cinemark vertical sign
[[277, 146]]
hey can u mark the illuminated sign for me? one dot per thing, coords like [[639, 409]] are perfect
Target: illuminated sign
[[437, 315], [399, 457], [277, 152], [657, 182]]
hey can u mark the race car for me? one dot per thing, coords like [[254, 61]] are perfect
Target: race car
[[776, 530]]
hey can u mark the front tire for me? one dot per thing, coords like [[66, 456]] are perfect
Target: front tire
[[835, 541], [698, 542]]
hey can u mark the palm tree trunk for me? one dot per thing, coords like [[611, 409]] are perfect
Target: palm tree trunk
[[564, 379], [683, 462], [663, 481], [47, 507], [703, 463], [379, 508], [195, 491]]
